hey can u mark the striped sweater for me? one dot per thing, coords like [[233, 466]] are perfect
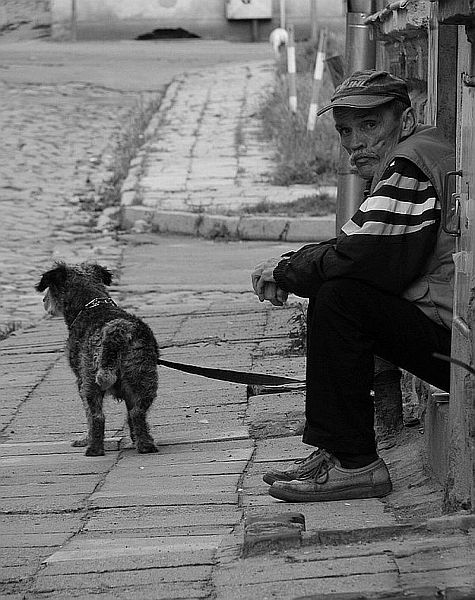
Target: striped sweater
[[386, 244]]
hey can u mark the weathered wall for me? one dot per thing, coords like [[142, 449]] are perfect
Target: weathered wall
[[17, 13], [403, 50], [127, 19]]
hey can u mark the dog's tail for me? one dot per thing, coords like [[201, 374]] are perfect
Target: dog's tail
[[105, 378], [116, 336]]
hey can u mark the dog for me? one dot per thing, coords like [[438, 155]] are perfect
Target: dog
[[109, 350]]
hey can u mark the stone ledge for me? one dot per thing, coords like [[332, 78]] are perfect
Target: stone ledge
[[419, 593], [305, 229]]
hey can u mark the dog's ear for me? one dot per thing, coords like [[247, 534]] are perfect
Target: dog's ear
[[104, 274], [54, 278]]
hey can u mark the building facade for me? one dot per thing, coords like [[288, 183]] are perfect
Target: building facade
[[236, 20]]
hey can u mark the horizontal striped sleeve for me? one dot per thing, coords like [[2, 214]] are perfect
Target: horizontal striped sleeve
[[401, 203], [387, 243]]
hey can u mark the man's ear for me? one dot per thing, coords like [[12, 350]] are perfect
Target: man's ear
[[408, 122]]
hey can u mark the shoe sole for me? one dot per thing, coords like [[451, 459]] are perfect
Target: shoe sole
[[377, 491]]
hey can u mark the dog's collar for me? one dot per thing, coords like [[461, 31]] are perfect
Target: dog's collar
[[95, 302]]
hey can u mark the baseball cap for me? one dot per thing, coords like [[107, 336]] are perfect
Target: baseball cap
[[367, 89]]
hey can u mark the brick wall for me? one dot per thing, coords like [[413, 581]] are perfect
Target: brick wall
[[30, 13]]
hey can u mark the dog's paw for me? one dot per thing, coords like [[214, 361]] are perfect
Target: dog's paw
[[146, 448], [95, 451], [80, 443]]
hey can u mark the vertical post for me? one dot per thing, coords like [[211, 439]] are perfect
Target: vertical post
[[313, 21], [254, 30], [360, 54], [74, 29], [282, 14], [291, 70], [317, 80]]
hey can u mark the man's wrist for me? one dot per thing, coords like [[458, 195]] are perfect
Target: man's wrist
[[279, 273]]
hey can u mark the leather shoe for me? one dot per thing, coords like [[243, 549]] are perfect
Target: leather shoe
[[330, 481]]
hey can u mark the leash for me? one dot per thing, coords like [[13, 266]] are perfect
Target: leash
[[230, 375], [211, 373]]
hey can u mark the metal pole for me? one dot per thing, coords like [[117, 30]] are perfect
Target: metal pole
[[282, 14], [255, 30], [313, 21], [360, 55], [74, 28]]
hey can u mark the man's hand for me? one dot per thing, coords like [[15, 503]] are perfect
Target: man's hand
[[264, 283]]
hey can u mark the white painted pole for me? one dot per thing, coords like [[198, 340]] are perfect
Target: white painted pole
[[317, 80], [291, 70]]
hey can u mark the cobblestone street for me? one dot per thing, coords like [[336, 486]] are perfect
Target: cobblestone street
[[63, 108], [57, 143]]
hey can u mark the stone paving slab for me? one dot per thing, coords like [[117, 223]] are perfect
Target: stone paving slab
[[128, 586], [47, 486], [35, 526], [87, 549], [139, 518], [110, 559], [161, 472], [118, 579]]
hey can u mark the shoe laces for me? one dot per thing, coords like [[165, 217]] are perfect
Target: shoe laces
[[302, 461], [321, 469]]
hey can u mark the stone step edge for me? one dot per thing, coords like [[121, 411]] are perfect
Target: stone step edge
[[416, 593], [287, 530], [142, 219]]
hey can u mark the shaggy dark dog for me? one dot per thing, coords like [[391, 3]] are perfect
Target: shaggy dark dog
[[108, 349]]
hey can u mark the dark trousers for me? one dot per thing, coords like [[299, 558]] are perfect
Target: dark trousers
[[349, 322]]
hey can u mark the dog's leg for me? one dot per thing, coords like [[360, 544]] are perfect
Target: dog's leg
[[137, 406], [129, 419], [83, 441], [93, 398]]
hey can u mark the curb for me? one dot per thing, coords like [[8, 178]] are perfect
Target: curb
[[139, 218], [417, 593], [246, 227], [263, 533], [271, 532]]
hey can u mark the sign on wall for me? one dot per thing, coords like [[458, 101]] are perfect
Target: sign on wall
[[248, 9]]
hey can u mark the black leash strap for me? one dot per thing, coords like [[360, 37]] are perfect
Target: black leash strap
[[229, 375]]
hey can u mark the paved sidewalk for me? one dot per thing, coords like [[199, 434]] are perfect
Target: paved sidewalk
[[205, 164], [195, 520]]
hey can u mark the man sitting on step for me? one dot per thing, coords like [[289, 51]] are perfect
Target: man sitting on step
[[383, 287]]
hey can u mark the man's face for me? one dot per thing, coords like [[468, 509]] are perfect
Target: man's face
[[368, 135]]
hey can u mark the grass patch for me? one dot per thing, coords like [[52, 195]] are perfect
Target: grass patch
[[316, 205], [130, 140], [124, 148], [300, 156]]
